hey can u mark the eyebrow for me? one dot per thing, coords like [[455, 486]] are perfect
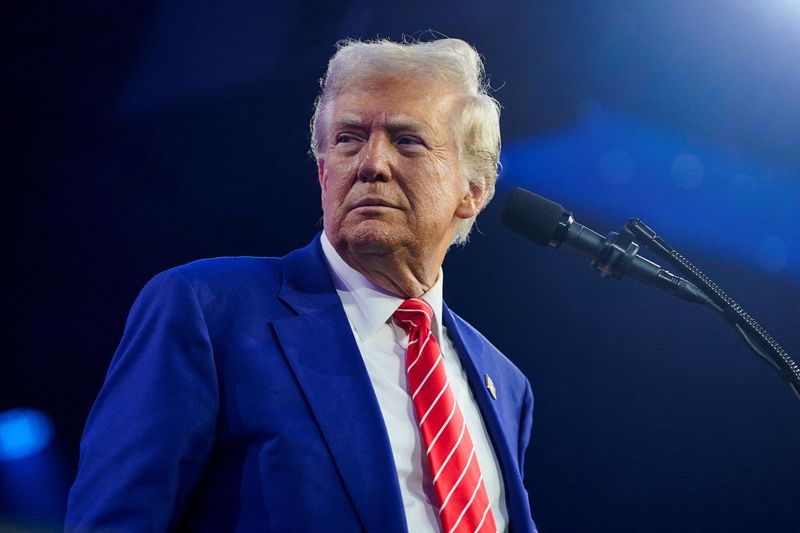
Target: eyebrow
[[394, 124], [348, 120], [405, 123]]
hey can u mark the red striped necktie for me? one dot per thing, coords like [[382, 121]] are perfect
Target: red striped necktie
[[457, 480]]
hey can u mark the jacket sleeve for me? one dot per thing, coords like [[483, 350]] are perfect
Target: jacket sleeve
[[152, 426], [525, 426]]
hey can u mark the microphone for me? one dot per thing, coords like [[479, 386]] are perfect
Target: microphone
[[547, 223]]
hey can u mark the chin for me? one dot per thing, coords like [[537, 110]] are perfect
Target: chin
[[373, 237]]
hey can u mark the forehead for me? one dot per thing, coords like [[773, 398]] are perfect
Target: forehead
[[397, 101]]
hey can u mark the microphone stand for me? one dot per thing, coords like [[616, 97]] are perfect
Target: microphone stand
[[548, 224], [756, 337]]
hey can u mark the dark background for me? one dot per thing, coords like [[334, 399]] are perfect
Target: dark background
[[142, 135]]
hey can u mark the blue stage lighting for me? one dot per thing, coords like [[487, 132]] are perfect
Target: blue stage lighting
[[23, 432], [728, 204]]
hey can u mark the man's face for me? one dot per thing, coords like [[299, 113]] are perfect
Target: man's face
[[390, 173]]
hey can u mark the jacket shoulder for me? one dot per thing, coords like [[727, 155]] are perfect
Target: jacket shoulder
[[218, 286], [229, 269]]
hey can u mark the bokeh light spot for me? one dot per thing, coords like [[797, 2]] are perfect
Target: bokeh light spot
[[687, 171], [23, 432]]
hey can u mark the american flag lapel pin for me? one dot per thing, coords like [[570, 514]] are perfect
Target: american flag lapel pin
[[490, 386]]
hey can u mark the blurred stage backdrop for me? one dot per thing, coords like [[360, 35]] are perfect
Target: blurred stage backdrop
[[148, 134]]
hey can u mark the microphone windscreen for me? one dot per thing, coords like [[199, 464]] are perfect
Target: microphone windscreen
[[532, 216]]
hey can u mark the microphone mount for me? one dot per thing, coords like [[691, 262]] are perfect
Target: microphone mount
[[617, 255]]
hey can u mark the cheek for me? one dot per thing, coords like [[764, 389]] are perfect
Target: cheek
[[441, 188], [336, 183]]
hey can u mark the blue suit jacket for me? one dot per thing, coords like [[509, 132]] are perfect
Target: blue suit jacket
[[238, 401]]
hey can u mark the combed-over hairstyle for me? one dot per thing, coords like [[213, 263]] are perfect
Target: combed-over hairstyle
[[451, 60]]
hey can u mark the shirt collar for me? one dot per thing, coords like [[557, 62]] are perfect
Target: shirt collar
[[367, 305]]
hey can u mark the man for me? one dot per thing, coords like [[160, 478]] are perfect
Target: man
[[331, 389]]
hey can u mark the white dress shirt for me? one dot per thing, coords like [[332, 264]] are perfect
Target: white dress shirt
[[383, 347]]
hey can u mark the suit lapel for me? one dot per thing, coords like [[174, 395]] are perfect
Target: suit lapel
[[477, 363], [320, 348]]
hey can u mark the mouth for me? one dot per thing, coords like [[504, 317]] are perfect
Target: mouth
[[373, 203]]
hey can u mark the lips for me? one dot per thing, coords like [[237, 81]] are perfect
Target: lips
[[374, 202]]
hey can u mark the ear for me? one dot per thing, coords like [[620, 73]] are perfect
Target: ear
[[472, 202]]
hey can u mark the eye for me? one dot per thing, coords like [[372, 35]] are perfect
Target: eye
[[345, 138], [409, 140]]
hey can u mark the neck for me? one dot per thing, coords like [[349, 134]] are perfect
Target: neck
[[404, 272]]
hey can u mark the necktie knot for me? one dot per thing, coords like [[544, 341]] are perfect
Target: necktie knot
[[413, 313]]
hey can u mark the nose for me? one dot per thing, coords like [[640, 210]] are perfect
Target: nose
[[376, 157]]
